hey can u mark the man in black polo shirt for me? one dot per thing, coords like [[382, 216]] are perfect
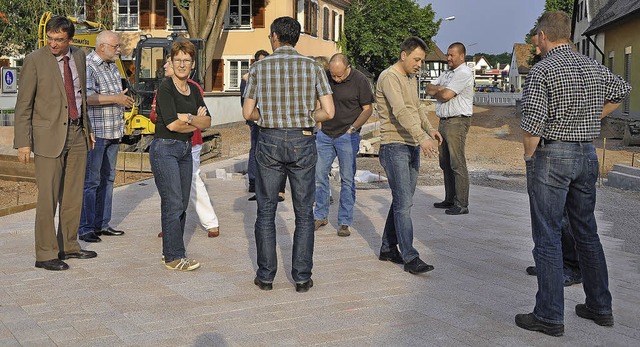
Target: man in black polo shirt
[[340, 137]]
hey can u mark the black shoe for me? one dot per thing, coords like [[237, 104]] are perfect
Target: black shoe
[[393, 256], [52, 265], [531, 270], [530, 322], [82, 254], [90, 237], [417, 266], [280, 198], [456, 210], [253, 198], [304, 286], [571, 280], [606, 320], [262, 285], [444, 204], [110, 232]]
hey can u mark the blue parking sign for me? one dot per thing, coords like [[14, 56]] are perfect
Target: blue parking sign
[[9, 84]]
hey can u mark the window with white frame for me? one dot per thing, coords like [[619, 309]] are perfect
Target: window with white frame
[[176, 21], [127, 14], [238, 15], [235, 68]]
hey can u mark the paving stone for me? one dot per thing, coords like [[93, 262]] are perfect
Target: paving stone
[[126, 297]]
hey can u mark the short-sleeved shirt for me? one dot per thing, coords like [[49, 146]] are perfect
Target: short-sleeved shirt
[[286, 86], [403, 118], [348, 98], [169, 103], [104, 78], [459, 81], [564, 95]]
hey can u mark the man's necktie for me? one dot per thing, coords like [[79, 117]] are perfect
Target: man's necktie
[[68, 87]]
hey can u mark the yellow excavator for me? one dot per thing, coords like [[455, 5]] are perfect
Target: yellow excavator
[[148, 56]]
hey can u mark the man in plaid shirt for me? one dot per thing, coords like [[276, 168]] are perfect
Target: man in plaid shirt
[[107, 102], [565, 96], [281, 94]]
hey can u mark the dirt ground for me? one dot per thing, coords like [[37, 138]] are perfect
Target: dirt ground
[[494, 156]]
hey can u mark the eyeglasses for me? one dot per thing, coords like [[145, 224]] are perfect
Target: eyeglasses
[[56, 40], [116, 47], [180, 62]]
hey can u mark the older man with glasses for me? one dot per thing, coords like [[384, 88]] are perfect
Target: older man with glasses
[[107, 102]]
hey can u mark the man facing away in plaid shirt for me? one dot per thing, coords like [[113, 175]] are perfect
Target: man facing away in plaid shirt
[[565, 96], [280, 96]]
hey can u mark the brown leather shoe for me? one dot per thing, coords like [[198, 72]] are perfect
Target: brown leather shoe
[[213, 232], [160, 234]]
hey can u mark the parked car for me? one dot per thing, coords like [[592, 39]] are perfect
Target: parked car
[[488, 89]]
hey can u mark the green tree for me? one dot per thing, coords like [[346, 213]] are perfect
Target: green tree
[[559, 5], [374, 29], [19, 20], [550, 5]]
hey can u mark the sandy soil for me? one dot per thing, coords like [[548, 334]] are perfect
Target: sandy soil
[[494, 156]]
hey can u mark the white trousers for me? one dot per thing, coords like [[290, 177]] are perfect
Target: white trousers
[[199, 196]]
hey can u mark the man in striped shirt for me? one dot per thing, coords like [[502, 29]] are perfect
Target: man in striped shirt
[[565, 96], [281, 94], [107, 102]]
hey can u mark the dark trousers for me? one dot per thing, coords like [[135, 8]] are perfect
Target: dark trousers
[[281, 154], [452, 159]]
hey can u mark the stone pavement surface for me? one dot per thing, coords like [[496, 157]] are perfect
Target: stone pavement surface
[[126, 297]]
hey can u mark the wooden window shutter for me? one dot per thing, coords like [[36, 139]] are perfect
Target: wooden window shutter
[[325, 23], [144, 8], [218, 74], [161, 14], [257, 9], [334, 17], [90, 11]]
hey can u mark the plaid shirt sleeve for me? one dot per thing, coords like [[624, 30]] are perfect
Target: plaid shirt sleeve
[[535, 108], [323, 88], [616, 89], [92, 84], [250, 89]]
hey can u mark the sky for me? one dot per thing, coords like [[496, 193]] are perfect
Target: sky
[[485, 26]]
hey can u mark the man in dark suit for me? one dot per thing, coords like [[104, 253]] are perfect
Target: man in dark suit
[[51, 120]]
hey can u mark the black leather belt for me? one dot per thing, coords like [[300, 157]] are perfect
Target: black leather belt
[[544, 141], [76, 122]]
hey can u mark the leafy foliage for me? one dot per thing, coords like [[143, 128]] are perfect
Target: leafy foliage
[[550, 5], [19, 23], [374, 30], [559, 5]]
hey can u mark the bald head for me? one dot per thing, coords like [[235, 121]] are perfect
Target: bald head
[[339, 67]]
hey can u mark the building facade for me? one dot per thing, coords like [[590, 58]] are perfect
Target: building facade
[[245, 30]]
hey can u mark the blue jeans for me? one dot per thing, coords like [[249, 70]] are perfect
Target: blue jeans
[[251, 165], [345, 148], [401, 163], [98, 186], [172, 168], [563, 175], [281, 154]]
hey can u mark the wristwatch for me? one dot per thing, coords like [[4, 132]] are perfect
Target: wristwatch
[[190, 118], [352, 129]]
